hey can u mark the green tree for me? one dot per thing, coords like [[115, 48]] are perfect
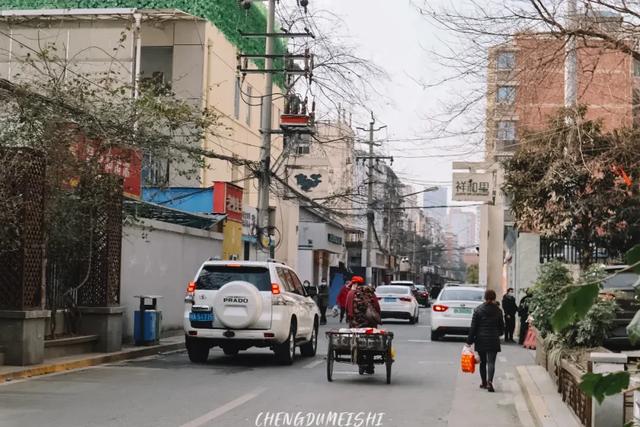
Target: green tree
[[575, 181]]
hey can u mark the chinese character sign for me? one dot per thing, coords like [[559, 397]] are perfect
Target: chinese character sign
[[472, 187], [227, 199]]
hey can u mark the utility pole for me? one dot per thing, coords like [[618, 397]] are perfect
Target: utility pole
[[370, 215], [264, 177], [369, 271], [264, 173], [571, 58], [413, 254]]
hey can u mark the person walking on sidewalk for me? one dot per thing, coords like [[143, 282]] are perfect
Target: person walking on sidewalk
[[510, 309], [323, 300], [487, 325], [523, 313], [342, 299]]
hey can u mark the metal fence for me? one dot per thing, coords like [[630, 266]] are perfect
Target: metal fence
[[571, 252], [568, 383], [23, 178]]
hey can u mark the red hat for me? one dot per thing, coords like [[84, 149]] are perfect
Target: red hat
[[357, 279]]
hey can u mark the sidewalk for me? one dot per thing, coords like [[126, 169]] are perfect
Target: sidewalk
[[61, 364], [506, 407]]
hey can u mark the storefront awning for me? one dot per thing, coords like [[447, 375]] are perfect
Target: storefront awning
[[141, 209]]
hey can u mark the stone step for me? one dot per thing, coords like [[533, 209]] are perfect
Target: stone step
[[69, 346]]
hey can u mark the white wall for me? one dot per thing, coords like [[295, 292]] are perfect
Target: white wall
[[527, 261], [161, 260], [305, 264]]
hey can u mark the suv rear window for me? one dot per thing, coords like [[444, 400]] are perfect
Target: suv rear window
[[213, 277], [461, 295]]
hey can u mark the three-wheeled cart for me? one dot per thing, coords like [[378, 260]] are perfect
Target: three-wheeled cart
[[359, 346]]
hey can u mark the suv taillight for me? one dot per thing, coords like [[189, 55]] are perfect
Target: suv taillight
[[191, 287], [440, 308], [275, 289]]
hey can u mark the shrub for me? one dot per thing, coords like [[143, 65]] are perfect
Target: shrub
[[548, 292]]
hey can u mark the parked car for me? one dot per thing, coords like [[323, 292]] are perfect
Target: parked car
[[398, 302], [236, 305], [452, 311], [410, 284], [623, 288], [422, 295]]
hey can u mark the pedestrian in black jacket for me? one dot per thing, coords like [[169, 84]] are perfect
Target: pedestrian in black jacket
[[486, 327], [510, 309], [523, 313]]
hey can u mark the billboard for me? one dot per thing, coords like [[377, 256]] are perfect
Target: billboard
[[472, 187], [123, 162]]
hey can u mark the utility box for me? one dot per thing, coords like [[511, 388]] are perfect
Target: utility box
[[147, 321]]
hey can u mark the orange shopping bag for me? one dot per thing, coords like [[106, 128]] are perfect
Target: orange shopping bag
[[468, 360]]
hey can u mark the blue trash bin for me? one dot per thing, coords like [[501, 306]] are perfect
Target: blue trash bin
[[147, 321]]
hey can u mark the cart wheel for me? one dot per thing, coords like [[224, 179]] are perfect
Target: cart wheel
[[330, 361], [389, 362]]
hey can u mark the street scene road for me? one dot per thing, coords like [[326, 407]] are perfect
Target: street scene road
[[427, 388], [194, 192]]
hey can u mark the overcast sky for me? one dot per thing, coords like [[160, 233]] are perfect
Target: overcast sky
[[397, 37]]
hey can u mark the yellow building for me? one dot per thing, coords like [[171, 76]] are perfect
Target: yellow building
[[197, 60]]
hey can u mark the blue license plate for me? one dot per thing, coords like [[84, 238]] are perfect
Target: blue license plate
[[389, 300], [201, 317]]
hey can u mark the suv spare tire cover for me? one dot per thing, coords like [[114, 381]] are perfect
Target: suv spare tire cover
[[238, 304]]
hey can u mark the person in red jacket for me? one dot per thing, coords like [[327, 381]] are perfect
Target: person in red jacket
[[360, 298], [342, 299], [363, 312]]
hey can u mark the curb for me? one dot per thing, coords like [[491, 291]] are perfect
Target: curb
[[544, 402], [51, 368]]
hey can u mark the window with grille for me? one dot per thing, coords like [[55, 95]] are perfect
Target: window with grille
[[155, 171], [506, 94], [506, 61], [506, 130]]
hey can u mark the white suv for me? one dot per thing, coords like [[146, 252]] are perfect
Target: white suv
[[240, 304]]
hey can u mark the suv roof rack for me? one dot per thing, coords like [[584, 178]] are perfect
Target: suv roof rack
[[276, 261]]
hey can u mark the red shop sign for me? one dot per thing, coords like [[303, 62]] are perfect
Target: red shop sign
[[227, 199]]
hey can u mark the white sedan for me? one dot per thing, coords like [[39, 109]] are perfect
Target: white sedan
[[398, 302], [452, 311]]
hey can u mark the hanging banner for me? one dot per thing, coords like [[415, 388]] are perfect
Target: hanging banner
[[472, 187]]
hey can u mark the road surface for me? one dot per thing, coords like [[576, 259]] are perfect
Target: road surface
[[250, 389]]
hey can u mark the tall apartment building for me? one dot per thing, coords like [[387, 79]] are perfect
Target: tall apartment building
[[435, 198], [525, 87], [462, 223]]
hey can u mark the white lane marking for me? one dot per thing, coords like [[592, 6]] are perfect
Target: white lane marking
[[419, 340], [212, 415], [424, 326], [502, 359], [346, 373], [313, 364]]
